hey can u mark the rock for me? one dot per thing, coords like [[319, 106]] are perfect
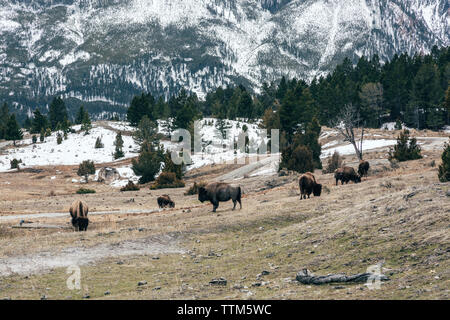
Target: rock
[[155, 258], [119, 262], [86, 296], [108, 175], [44, 297], [107, 293], [448, 193], [218, 282], [156, 288], [6, 298], [265, 273], [256, 284], [142, 283]]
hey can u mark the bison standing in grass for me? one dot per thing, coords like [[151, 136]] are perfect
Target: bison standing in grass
[[165, 201], [220, 192], [308, 185], [363, 168], [346, 174], [79, 211]]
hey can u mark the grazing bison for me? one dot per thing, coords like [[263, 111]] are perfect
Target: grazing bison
[[363, 168], [219, 191], [79, 211], [308, 185], [346, 174], [165, 201]]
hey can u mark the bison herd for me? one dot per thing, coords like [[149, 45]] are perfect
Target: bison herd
[[216, 192]]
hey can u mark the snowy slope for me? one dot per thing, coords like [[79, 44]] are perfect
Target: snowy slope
[[104, 51], [77, 148]]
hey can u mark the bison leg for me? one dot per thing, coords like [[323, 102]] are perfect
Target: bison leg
[[337, 180], [234, 202], [215, 206]]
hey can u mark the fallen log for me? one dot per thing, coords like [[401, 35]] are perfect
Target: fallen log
[[306, 277]]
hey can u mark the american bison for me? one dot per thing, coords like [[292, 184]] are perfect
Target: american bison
[[308, 185], [79, 211], [165, 201], [346, 174], [363, 168], [220, 191]]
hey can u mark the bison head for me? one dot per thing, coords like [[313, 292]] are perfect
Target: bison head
[[357, 179], [202, 194], [317, 190], [171, 204]]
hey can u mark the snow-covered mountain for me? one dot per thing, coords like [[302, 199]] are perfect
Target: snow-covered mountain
[[105, 51]]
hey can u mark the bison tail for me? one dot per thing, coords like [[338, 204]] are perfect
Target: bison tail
[[80, 209], [239, 194]]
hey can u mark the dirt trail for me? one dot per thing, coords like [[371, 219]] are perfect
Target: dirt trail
[[66, 214], [44, 261]]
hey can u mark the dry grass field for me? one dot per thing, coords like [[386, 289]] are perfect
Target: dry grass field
[[397, 218]]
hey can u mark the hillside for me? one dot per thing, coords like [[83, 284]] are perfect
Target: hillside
[[397, 218], [104, 52]]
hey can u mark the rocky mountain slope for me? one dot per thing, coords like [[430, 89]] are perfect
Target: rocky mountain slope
[[104, 51]]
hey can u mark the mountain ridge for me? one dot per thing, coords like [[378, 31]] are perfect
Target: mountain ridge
[[102, 52]]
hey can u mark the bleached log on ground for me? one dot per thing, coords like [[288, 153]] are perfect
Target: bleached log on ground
[[306, 277]]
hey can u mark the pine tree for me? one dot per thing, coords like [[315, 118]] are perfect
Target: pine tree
[[147, 130], [444, 167], [98, 143], [4, 118], [27, 123], [39, 122], [170, 166], [119, 147], [148, 164], [80, 115], [405, 149], [57, 112], [13, 131], [86, 123]]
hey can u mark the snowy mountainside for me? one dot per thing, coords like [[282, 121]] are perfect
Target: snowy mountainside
[[103, 52]]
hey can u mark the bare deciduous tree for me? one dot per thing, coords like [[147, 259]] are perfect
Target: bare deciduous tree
[[347, 124]]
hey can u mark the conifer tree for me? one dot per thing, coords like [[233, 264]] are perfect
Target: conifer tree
[[13, 131], [118, 153], [57, 112]]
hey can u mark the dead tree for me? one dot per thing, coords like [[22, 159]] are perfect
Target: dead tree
[[346, 124]]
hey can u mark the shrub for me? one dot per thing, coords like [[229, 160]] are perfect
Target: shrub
[[85, 191], [130, 187], [148, 163], [15, 163], [98, 143], [34, 138], [444, 167], [42, 135], [299, 159], [405, 149], [86, 168], [59, 138], [167, 180], [48, 132], [334, 163], [194, 188]]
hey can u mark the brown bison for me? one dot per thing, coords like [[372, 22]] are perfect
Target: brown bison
[[308, 185], [79, 211], [363, 168], [220, 191], [165, 201], [346, 174]]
